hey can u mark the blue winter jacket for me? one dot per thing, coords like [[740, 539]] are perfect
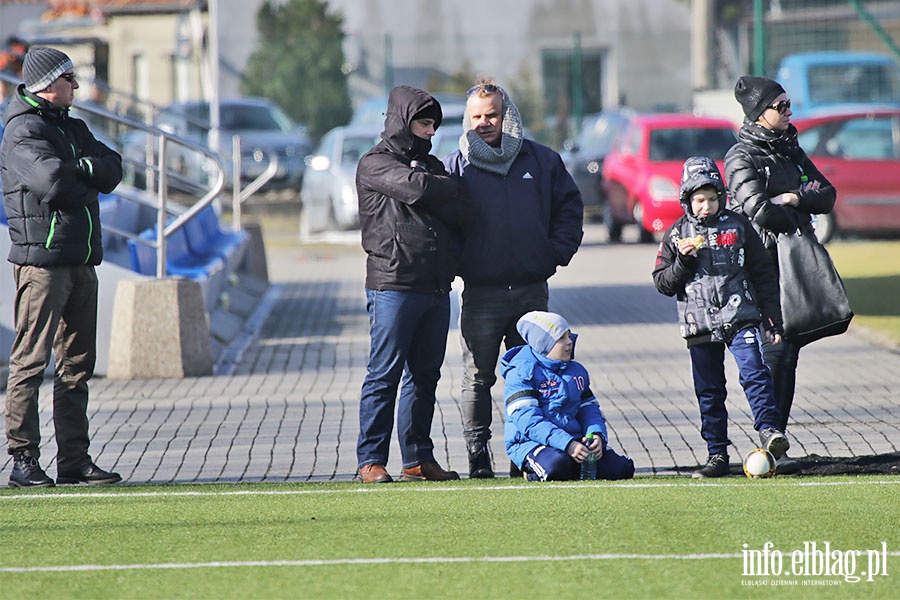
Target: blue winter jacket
[[548, 403], [523, 225]]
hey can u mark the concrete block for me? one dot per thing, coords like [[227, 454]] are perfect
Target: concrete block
[[159, 330], [255, 260]]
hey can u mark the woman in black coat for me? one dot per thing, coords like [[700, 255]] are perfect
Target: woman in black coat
[[773, 182]]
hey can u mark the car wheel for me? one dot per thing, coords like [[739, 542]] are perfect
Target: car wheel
[[613, 229], [333, 224], [826, 227], [645, 237]]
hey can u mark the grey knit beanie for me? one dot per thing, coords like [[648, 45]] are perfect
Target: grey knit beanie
[[541, 330], [43, 66]]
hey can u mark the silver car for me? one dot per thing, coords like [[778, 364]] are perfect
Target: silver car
[[328, 195], [264, 131]]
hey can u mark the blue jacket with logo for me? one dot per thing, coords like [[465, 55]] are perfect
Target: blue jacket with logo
[[524, 224], [548, 403]]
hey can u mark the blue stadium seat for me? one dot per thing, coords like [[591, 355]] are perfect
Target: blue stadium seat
[[180, 262], [206, 238]]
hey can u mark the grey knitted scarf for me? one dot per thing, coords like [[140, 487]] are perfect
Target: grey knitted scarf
[[484, 156]]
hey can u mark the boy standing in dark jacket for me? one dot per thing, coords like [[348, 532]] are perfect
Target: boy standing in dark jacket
[[52, 169], [410, 212], [713, 261]]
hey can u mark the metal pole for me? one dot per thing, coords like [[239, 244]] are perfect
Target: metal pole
[[759, 39], [236, 214], [213, 58], [577, 83], [161, 211], [701, 17], [388, 64]]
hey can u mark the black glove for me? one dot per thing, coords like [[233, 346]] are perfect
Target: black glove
[[84, 169]]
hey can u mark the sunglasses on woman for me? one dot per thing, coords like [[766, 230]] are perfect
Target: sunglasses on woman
[[782, 107], [70, 77]]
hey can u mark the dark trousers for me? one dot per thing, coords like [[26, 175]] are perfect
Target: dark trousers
[[708, 368], [782, 362], [488, 316], [550, 464], [408, 339], [55, 311]]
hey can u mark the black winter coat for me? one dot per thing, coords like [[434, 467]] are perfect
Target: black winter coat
[[728, 286], [51, 204], [765, 163], [410, 214]]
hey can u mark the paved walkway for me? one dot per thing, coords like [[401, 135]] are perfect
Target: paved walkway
[[287, 408]]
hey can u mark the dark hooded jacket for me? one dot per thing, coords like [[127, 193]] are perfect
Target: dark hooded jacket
[[51, 203], [730, 284], [410, 210], [765, 163]]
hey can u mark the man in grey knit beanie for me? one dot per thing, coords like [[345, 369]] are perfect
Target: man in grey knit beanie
[[43, 66]]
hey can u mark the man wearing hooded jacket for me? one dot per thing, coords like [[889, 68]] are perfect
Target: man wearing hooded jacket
[[52, 169], [410, 214]]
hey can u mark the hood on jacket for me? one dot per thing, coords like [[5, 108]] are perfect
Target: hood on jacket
[[698, 172], [404, 103], [24, 102]]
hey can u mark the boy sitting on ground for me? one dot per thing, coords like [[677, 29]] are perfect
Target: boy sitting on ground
[[550, 408]]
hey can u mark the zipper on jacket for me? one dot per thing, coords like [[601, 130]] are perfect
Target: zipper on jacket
[[90, 233], [53, 220]]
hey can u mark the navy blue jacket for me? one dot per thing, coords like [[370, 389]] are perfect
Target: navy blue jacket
[[523, 225]]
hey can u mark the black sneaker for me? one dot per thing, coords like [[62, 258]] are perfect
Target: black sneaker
[[515, 471], [717, 465], [27, 473], [774, 441], [480, 461], [787, 466], [90, 474]]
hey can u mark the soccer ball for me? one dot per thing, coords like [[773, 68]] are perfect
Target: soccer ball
[[759, 463]]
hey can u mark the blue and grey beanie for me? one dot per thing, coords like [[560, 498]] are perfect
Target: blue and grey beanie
[[541, 330]]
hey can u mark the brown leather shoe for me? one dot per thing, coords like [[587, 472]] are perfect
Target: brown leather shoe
[[374, 473], [429, 471]]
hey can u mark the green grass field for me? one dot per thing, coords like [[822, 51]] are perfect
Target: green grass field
[[648, 538], [871, 273]]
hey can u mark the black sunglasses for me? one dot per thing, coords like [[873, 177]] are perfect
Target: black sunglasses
[[70, 77], [782, 107], [489, 88]]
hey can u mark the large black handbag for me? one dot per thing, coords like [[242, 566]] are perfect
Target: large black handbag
[[814, 301]]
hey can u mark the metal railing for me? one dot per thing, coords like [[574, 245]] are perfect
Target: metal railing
[[158, 175]]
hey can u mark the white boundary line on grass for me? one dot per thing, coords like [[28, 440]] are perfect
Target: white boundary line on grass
[[406, 487], [371, 561], [366, 561]]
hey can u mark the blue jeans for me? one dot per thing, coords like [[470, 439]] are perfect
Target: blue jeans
[[408, 339], [488, 317], [708, 366]]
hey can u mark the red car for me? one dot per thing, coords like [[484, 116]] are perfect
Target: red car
[[642, 173], [859, 153]]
